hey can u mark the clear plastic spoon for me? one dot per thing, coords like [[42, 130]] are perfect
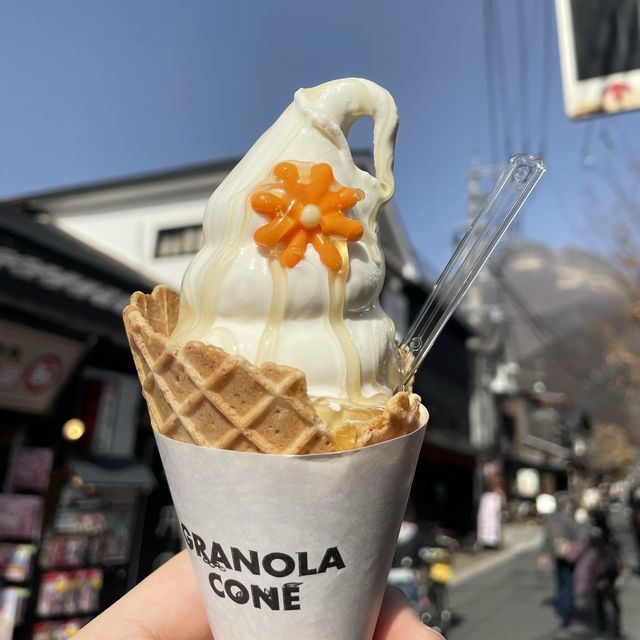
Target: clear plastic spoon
[[501, 207]]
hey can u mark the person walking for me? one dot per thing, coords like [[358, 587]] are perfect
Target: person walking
[[585, 579], [561, 546], [608, 608], [634, 506], [489, 523]]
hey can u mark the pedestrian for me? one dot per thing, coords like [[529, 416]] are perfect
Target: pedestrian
[[634, 505], [561, 546], [489, 523], [587, 555], [610, 569]]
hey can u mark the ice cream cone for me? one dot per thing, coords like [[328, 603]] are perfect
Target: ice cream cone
[[298, 543], [200, 394], [291, 546], [281, 545]]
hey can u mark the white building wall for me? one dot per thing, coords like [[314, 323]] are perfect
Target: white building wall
[[130, 234]]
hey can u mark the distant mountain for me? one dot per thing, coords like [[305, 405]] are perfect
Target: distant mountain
[[563, 288], [560, 304]]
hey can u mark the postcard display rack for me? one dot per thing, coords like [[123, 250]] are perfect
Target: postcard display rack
[[63, 557]]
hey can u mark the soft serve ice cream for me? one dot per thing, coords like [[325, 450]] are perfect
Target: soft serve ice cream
[[291, 268], [277, 342]]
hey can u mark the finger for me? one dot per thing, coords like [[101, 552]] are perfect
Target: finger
[[165, 606], [398, 620]]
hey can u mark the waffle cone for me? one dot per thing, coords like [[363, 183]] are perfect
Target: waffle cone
[[200, 394]]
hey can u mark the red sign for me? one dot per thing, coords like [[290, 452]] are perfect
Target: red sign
[[43, 373], [33, 366]]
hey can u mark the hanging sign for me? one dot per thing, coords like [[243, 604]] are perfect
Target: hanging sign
[[599, 44], [34, 366]]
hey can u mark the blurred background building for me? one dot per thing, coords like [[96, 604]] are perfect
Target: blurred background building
[[113, 141]]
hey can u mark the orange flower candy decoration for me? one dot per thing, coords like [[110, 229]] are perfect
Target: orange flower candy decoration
[[306, 211]]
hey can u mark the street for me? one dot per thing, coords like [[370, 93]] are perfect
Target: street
[[510, 599]]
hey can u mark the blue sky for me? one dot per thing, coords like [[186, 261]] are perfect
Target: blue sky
[[94, 90]]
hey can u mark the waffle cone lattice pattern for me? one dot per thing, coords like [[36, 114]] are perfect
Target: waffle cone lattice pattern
[[200, 394]]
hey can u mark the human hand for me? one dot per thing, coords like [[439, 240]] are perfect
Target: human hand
[[167, 606]]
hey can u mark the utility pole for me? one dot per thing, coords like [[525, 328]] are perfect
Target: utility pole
[[484, 314], [491, 373]]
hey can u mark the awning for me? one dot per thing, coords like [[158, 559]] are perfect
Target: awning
[[64, 284]]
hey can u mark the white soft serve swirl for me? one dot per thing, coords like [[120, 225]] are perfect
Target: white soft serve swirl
[[227, 296]]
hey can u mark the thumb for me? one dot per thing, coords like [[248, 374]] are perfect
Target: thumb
[[399, 621]]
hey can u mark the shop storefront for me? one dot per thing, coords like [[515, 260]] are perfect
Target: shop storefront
[[443, 489], [75, 485]]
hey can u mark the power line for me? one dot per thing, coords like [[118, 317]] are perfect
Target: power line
[[511, 113], [490, 81], [545, 93], [523, 47], [502, 83]]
